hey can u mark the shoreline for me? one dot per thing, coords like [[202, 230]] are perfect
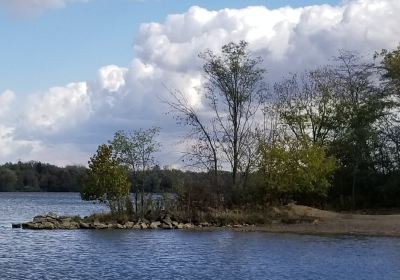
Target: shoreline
[[293, 219], [303, 229], [350, 227]]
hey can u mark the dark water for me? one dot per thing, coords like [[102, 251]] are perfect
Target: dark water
[[114, 254]]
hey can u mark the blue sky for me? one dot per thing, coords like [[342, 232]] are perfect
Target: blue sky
[[70, 44], [73, 72]]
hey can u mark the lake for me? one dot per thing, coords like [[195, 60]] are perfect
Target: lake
[[129, 254]]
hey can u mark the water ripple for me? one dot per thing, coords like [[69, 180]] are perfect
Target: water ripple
[[114, 254]]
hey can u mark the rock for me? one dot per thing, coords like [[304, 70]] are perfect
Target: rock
[[52, 215], [166, 226], [205, 224], [39, 219], [70, 225], [29, 225], [119, 226], [129, 225], [155, 225], [98, 225], [179, 226], [175, 224], [64, 219], [16, 225], [315, 222], [188, 225], [83, 225], [237, 226], [47, 225], [136, 226], [166, 219], [143, 225]]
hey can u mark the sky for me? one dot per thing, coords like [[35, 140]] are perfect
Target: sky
[[72, 72]]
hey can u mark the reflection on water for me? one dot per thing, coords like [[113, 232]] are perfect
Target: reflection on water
[[114, 254]]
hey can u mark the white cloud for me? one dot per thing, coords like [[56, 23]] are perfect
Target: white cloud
[[6, 99], [82, 115], [33, 7], [10, 146], [59, 108], [111, 77]]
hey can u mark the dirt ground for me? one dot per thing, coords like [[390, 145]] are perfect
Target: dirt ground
[[307, 220]]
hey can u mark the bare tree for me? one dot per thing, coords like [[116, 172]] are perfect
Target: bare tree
[[235, 82], [204, 149]]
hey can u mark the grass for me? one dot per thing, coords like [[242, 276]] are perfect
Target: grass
[[224, 217]]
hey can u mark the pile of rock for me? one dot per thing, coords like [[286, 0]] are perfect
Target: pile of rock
[[52, 221]]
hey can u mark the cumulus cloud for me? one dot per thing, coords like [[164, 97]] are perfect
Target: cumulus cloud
[[33, 7], [111, 77], [6, 99], [10, 146], [79, 116], [59, 107]]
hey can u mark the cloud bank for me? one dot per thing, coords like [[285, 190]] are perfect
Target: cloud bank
[[65, 124]]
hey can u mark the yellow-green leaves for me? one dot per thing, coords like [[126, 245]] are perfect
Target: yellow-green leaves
[[291, 166]]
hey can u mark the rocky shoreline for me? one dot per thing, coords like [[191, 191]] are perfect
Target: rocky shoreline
[[51, 221]]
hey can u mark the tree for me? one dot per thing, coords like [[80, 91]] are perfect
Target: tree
[[8, 179], [389, 69], [294, 169], [107, 181], [204, 151], [235, 81], [390, 66], [361, 106], [135, 149], [308, 105]]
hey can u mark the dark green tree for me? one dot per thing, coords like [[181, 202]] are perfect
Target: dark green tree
[[8, 179], [361, 106]]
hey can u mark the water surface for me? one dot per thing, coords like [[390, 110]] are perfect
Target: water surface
[[125, 254]]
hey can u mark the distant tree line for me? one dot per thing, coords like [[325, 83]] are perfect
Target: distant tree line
[[42, 177], [36, 176]]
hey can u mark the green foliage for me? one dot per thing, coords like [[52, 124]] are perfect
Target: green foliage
[[291, 167], [107, 181], [136, 148], [308, 104], [391, 66]]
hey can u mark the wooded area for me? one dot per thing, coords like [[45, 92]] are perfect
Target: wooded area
[[327, 137]]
